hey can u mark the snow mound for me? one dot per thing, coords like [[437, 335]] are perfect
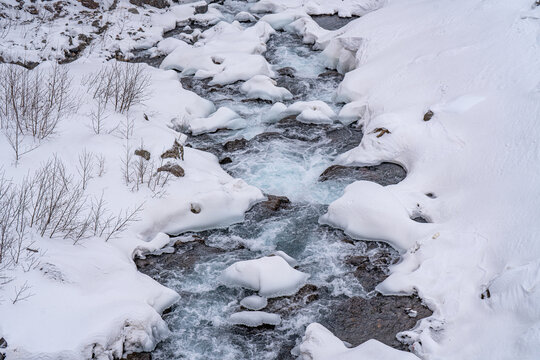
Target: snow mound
[[254, 318], [370, 211], [223, 118], [290, 260], [226, 53], [320, 344], [271, 276], [275, 113], [263, 87], [254, 302], [311, 112], [244, 16]]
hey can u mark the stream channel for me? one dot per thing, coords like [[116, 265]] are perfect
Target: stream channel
[[284, 159]]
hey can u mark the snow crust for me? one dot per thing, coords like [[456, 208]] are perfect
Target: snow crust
[[223, 118], [311, 112], [370, 211], [226, 53], [254, 318], [254, 302], [263, 87], [271, 276]]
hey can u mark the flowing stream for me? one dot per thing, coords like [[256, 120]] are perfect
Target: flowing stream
[[284, 159]]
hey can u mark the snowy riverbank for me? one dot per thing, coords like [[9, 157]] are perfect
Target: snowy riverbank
[[447, 89]]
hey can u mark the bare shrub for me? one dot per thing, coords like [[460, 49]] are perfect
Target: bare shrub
[[122, 220], [142, 170], [98, 118], [50, 204], [100, 165], [22, 293], [126, 127], [86, 167], [32, 102], [120, 84], [127, 160]]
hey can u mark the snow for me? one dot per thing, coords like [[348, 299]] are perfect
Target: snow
[[223, 118], [271, 276], [474, 64], [311, 112], [478, 156], [254, 302], [319, 343], [244, 16], [52, 33], [275, 112], [290, 260], [226, 53], [263, 87], [353, 111], [254, 318], [370, 211], [96, 285], [88, 300], [344, 8]]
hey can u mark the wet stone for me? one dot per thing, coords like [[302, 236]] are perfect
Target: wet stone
[[186, 255], [287, 305], [357, 319], [235, 145], [332, 22], [140, 356], [275, 203], [383, 174], [286, 71], [372, 268], [225, 160]]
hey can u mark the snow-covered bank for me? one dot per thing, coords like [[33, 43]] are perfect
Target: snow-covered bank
[[88, 300], [36, 31], [450, 90]]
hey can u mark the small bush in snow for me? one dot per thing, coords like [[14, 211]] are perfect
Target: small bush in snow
[[51, 204], [32, 102], [120, 84]]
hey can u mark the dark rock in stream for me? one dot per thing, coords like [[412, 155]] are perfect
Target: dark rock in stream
[[357, 319], [286, 305], [234, 145], [275, 203], [372, 268], [186, 255], [383, 174], [332, 22], [140, 356], [225, 160], [287, 71]]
